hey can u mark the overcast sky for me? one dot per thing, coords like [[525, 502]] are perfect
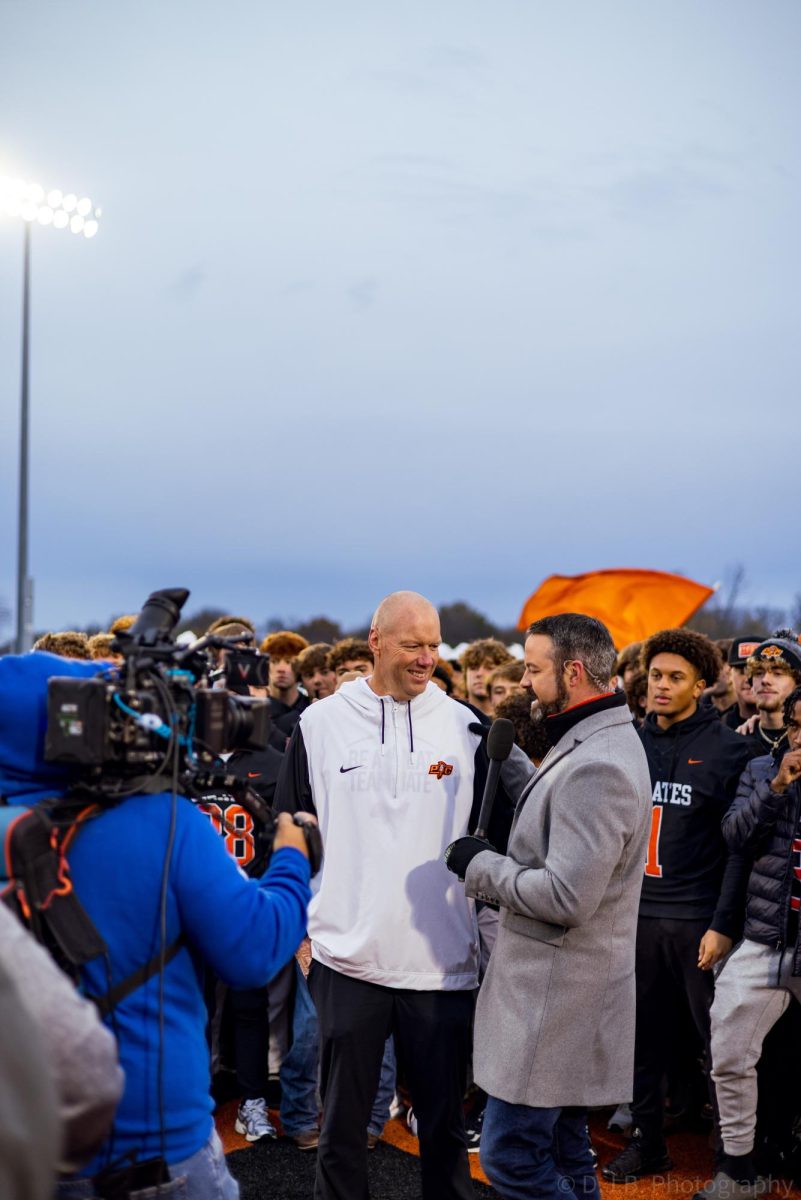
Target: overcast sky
[[445, 295]]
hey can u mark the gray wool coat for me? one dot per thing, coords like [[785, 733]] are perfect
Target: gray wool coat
[[555, 1015]]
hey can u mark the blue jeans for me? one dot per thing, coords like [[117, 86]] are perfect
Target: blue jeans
[[202, 1176], [299, 1071], [537, 1152], [300, 1068], [386, 1090]]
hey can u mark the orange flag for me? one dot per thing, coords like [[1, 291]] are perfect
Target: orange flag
[[632, 604]]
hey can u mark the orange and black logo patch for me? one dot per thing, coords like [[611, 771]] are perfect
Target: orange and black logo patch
[[440, 768], [771, 652]]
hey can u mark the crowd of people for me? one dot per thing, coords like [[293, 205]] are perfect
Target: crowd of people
[[624, 935]]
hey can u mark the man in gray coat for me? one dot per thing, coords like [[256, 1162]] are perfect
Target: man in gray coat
[[554, 1030]]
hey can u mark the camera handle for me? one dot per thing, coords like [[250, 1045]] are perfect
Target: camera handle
[[314, 842]]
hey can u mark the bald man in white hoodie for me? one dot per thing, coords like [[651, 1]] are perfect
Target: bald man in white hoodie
[[393, 769]]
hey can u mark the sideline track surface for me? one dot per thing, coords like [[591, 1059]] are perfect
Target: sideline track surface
[[279, 1171], [273, 1170]]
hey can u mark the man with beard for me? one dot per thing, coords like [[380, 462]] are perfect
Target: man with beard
[[555, 1017]]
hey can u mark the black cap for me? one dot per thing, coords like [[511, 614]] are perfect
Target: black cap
[[742, 648], [776, 649]]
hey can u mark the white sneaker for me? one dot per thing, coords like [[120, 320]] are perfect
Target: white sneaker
[[252, 1120], [621, 1119]]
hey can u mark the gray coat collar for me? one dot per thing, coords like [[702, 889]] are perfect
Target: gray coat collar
[[575, 736]]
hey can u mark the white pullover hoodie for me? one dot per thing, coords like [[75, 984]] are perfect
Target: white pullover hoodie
[[392, 784]]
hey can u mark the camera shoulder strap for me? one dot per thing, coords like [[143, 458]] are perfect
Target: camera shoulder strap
[[40, 887], [137, 979], [41, 894]]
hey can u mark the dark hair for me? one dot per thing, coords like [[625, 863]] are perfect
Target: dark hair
[[348, 649], [514, 670], [532, 739], [442, 673], [636, 691], [790, 703], [313, 658], [577, 636], [628, 656], [696, 648]]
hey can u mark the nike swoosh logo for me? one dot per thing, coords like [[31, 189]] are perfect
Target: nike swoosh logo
[[254, 774], [693, 761], [344, 770]]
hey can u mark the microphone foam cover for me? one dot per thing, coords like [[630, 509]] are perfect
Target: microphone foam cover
[[500, 739]]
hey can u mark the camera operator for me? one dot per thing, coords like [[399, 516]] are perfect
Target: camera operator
[[159, 886]]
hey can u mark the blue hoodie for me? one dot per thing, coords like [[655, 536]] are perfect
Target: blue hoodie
[[245, 929], [25, 777]]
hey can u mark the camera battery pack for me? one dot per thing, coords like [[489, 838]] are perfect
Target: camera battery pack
[[77, 720]]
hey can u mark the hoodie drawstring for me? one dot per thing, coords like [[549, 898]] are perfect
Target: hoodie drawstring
[[411, 731], [384, 729]]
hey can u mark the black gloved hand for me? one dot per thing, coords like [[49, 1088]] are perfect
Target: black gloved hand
[[461, 853]]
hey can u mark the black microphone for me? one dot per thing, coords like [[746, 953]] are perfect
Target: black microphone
[[500, 740]]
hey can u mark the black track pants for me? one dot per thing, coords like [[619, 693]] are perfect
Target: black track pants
[[432, 1038]]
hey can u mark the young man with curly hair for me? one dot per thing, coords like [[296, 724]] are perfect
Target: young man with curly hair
[[479, 661], [690, 906], [774, 669], [66, 644], [351, 655]]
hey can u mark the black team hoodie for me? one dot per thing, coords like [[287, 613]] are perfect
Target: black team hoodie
[[695, 766]]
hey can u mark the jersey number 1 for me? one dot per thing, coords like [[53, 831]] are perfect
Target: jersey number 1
[[652, 863]]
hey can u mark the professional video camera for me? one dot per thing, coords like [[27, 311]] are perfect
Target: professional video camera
[[156, 709], [243, 668], [153, 721]]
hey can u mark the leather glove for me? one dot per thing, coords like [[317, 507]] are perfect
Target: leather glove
[[461, 853]]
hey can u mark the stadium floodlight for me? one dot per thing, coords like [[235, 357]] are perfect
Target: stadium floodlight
[[59, 210], [32, 203]]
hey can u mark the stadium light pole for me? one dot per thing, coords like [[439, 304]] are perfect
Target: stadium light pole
[[31, 203]]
